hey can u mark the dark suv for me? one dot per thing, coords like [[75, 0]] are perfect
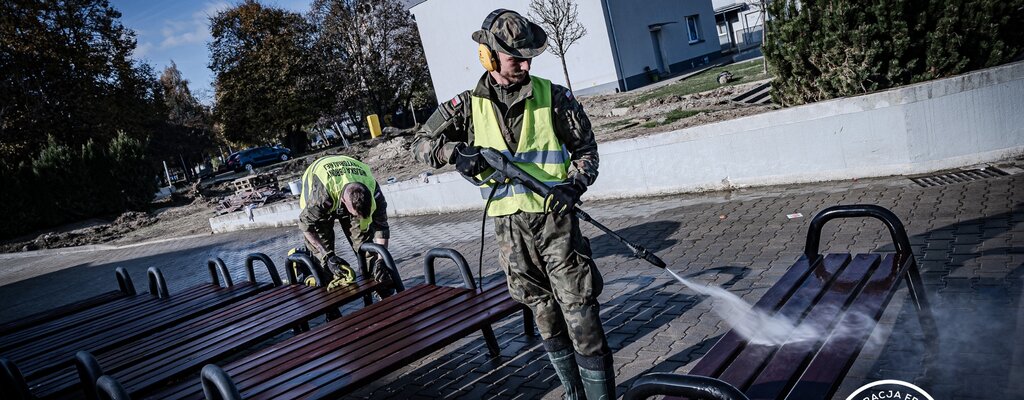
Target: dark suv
[[248, 159]]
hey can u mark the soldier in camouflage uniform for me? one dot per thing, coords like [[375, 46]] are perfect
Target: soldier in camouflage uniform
[[338, 188], [544, 130]]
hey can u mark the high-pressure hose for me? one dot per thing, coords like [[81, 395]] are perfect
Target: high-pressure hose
[[483, 227]]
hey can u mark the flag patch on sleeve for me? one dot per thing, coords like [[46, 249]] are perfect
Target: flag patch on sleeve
[[455, 101]]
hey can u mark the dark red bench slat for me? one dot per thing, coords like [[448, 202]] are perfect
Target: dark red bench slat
[[823, 375], [800, 297], [345, 370], [282, 352], [356, 339], [143, 348], [118, 329], [51, 355], [748, 363], [186, 346], [354, 324], [96, 318], [352, 347], [240, 312], [14, 339], [60, 312], [785, 365], [259, 327], [727, 347], [338, 385]]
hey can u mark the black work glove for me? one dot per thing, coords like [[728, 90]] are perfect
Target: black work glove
[[381, 273], [340, 269], [563, 197], [469, 161]]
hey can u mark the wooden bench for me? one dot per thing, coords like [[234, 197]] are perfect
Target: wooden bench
[[835, 293], [356, 349], [37, 351], [92, 307]]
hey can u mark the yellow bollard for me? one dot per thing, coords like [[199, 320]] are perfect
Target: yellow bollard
[[374, 124]]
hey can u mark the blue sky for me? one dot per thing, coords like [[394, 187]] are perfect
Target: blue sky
[[179, 31]]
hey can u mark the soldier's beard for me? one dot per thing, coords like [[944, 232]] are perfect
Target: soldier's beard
[[515, 78], [519, 77]]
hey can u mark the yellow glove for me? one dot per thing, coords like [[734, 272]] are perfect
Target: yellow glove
[[343, 274]]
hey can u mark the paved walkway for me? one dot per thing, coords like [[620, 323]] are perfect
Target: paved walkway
[[968, 238]]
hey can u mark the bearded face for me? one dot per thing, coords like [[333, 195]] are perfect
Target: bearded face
[[514, 70]]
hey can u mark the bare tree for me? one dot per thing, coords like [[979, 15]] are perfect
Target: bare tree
[[762, 11], [560, 19]]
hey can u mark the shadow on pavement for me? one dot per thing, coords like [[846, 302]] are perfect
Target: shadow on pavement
[[654, 236], [975, 291]]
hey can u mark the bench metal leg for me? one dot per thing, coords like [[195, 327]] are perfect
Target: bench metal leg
[[217, 385], [124, 281], [89, 371], [11, 381], [157, 283], [301, 327], [924, 309], [529, 326], [691, 386], [492, 341], [110, 389]]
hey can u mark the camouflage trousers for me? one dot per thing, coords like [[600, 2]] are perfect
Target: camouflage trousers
[[549, 267], [356, 238]]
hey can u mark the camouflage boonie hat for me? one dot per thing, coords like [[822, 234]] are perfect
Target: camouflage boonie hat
[[512, 34]]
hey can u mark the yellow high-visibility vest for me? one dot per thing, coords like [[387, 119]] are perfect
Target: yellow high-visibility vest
[[539, 151], [334, 173]]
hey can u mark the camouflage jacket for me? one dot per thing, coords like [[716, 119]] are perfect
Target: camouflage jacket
[[452, 123]]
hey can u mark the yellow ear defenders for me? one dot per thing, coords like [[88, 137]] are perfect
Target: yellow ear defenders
[[488, 59]]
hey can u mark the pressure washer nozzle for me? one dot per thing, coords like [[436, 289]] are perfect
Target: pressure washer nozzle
[[651, 258]]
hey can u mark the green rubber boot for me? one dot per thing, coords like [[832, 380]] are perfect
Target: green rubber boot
[[598, 376], [568, 372]]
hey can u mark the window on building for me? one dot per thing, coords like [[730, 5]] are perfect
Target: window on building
[[693, 27], [722, 28]]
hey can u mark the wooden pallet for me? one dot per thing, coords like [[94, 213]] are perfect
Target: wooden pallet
[[253, 183]]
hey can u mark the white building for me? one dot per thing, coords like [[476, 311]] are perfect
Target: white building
[[628, 43], [739, 24]]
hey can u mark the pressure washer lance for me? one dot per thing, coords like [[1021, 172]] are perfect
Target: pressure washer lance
[[505, 171]]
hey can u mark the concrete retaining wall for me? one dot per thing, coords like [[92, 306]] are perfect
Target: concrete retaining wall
[[935, 125]]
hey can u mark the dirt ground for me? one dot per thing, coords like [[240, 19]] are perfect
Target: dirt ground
[[188, 212]]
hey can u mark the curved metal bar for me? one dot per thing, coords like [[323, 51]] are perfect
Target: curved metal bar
[[364, 272], [693, 387], [217, 385], [157, 284], [250, 272], [305, 259], [124, 281], [389, 262], [108, 388], [89, 371], [216, 264], [891, 221], [12, 381], [451, 254]]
